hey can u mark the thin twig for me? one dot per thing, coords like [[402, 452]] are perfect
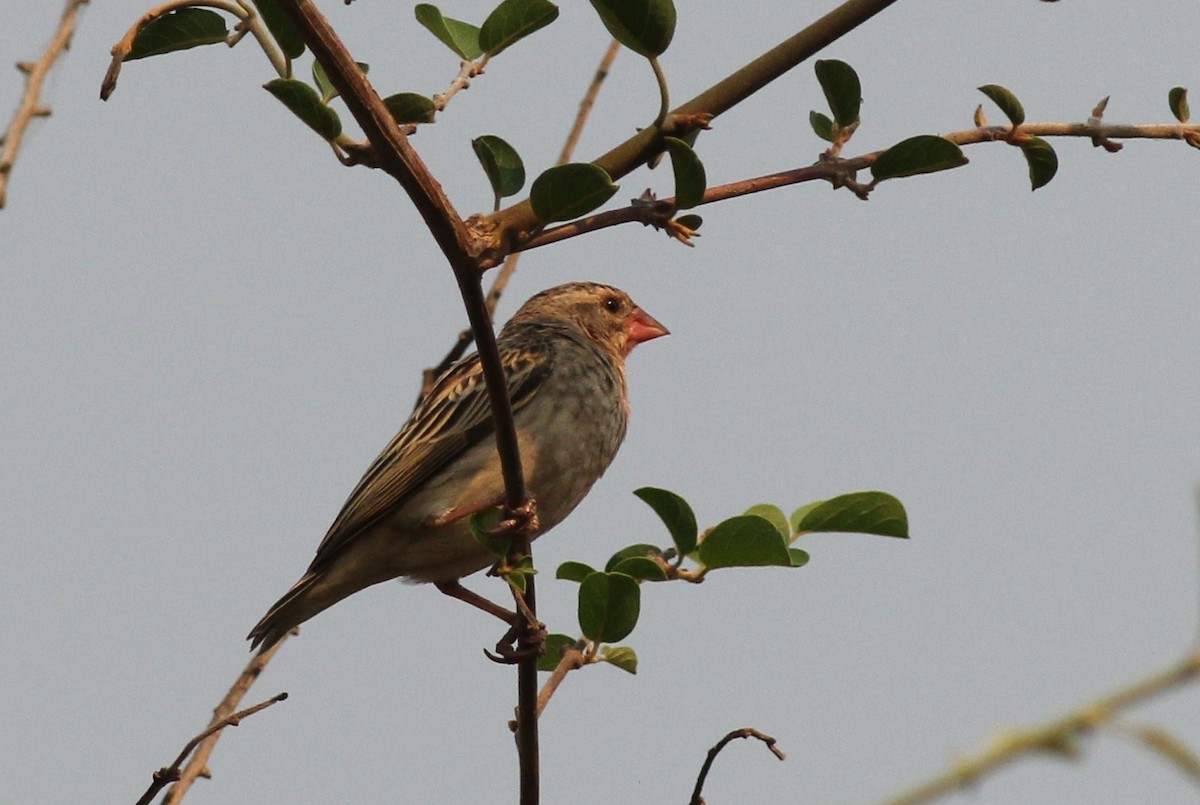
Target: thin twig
[[466, 71], [167, 774], [198, 765], [572, 659], [30, 105], [1057, 737], [837, 169], [744, 732]]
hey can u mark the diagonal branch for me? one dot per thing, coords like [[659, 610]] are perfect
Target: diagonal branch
[[1057, 737], [30, 105]]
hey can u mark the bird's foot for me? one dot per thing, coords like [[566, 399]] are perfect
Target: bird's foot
[[520, 642]]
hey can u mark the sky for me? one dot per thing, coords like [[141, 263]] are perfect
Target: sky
[[209, 328]]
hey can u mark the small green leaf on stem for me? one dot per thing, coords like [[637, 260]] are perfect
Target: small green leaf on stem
[[1177, 98], [574, 571], [512, 21], [690, 181], [857, 512], [305, 103], [1043, 162], [640, 549], [502, 164], [280, 26], [556, 644], [773, 515], [622, 657], [569, 191], [744, 541], [822, 126], [842, 90], [643, 26], [692, 222], [459, 36], [179, 30], [642, 568], [1008, 103], [324, 85], [675, 513], [482, 524], [925, 153], [609, 604], [410, 107]]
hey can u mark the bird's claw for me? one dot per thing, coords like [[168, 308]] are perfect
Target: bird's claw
[[521, 520], [521, 642]]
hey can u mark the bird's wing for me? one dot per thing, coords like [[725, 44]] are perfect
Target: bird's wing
[[453, 417]]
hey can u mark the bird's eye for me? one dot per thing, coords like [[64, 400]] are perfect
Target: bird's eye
[[612, 304]]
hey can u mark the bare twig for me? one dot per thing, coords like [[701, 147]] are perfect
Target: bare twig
[[1057, 737], [744, 732], [467, 70], [30, 105], [842, 168], [198, 765], [167, 774]]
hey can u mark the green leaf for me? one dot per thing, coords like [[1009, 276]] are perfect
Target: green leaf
[[410, 107], [324, 86], [692, 222], [574, 571], [744, 541], [1043, 162], [569, 191], [689, 174], [484, 521], [858, 512], [305, 103], [501, 163], [623, 657], [609, 604], [642, 568], [280, 26], [459, 36], [676, 515], [822, 126], [1007, 102], [925, 153], [799, 557], [643, 26], [842, 90], [179, 30], [1177, 98], [512, 21], [555, 645], [641, 549], [773, 515]]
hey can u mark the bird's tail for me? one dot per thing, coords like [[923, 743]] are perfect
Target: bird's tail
[[296, 606]]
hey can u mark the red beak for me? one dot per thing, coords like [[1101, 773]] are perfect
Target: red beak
[[641, 326]]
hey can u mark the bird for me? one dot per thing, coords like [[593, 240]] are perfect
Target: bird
[[563, 353]]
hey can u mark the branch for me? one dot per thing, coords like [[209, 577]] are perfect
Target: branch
[[30, 105], [169, 773], [744, 732], [223, 715], [1057, 737], [653, 215], [514, 224]]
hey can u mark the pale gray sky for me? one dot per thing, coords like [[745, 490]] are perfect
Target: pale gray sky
[[209, 328]]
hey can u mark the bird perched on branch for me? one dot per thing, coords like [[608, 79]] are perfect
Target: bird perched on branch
[[563, 355]]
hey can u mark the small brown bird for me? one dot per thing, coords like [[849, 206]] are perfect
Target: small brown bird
[[564, 358]]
